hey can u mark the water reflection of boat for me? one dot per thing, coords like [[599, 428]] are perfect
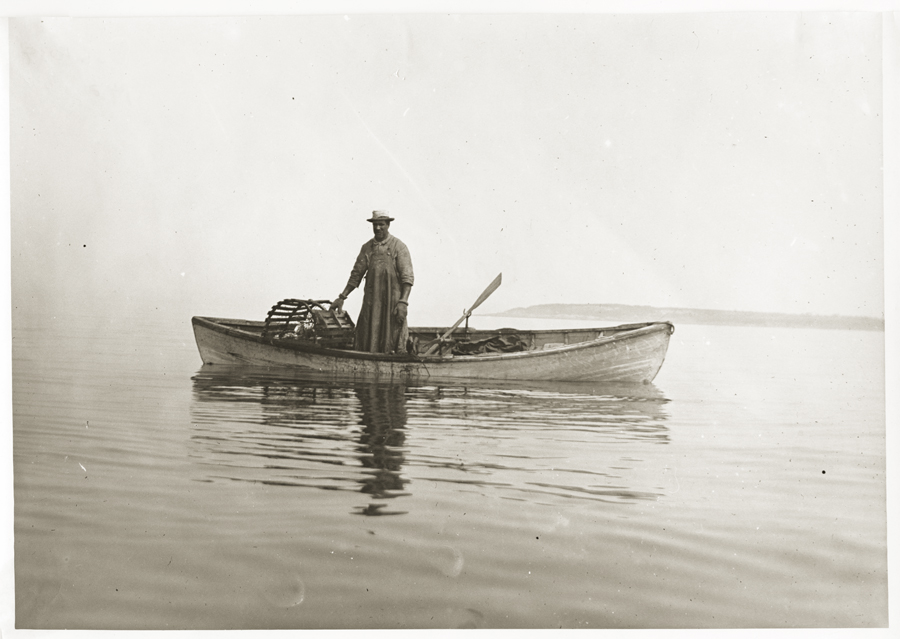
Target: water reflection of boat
[[253, 424], [303, 432]]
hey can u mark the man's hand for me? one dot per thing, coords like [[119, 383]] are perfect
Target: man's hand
[[400, 311], [338, 304]]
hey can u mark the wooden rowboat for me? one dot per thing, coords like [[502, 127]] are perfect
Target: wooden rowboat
[[626, 353]]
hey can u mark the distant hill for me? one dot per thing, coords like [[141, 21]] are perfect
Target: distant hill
[[625, 313]]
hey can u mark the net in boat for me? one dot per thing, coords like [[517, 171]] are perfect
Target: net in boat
[[506, 343]]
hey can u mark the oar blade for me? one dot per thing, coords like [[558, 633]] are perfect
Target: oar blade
[[493, 286]]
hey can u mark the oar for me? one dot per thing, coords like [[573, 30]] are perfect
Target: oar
[[493, 286]]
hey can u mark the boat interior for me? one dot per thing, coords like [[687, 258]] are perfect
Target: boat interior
[[425, 340]]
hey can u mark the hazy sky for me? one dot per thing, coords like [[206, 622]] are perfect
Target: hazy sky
[[216, 165]]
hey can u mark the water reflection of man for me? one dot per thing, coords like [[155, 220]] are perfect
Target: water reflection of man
[[382, 438], [385, 262]]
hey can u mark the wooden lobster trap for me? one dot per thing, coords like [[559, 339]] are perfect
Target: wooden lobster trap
[[312, 321]]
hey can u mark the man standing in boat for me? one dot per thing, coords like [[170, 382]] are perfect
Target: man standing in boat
[[385, 263]]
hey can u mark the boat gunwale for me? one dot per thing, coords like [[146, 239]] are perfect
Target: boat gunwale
[[624, 331]]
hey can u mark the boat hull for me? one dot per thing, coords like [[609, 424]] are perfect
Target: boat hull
[[632, 353]]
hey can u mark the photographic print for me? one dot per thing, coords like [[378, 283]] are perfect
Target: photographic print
[[349, 320]]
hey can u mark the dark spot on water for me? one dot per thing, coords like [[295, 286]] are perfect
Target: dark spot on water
[[823, 472]]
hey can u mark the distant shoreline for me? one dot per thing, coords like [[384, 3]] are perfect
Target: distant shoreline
[[626, 313]]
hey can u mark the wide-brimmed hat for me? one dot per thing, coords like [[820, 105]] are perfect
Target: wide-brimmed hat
[[380, 216]]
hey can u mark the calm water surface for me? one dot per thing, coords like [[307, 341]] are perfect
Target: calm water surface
[[744, 488]]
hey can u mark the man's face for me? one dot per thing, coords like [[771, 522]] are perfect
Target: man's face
[[381, 230]]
